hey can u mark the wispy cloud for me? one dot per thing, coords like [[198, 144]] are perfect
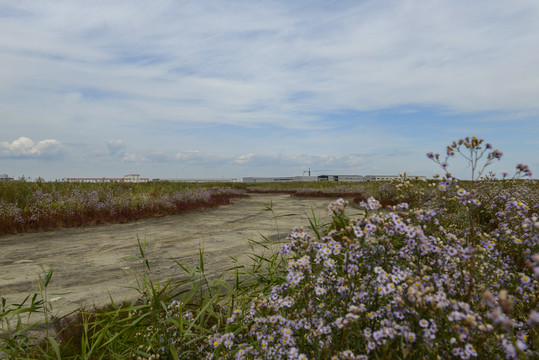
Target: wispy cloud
[[363, 56], [115, 146], [255, 161], [299, 160], [151, 73]]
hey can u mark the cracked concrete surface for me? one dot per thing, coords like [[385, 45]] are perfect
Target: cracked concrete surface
[[92, 262]]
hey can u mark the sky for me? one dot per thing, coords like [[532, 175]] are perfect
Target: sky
[[231, 89]]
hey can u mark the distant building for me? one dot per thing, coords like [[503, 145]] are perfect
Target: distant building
[[199, 180], [279, 179], [328, 178], [380, 177], [341, 178], [391, 177], [336, 178], [125, 178], [5, 177]]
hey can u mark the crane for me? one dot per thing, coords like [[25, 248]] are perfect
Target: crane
[[309, 171]]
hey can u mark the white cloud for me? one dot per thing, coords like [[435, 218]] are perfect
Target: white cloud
[[146, 73], [26, 147], [301, 161], [243, 159], [354, 160], [252, 160], [129, 157], [115, 146], [187, 155]]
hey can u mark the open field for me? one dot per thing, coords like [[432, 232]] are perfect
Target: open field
[[35, 206], [446, 269], [91, 262]]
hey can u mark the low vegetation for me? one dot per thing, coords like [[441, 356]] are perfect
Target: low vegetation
[[448, 269], [27, 206], [31, 206]]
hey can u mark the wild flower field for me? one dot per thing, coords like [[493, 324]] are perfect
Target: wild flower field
[[27, 206], [32, 206], [450, 271]]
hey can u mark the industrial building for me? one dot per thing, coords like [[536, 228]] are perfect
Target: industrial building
[[279, 179], [198, 180], [336, 178], [342, 178], [125, 178], [380, 177], [339, 178]]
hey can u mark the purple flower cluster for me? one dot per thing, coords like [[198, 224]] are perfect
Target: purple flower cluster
[[473, 150], [336, 207], [524, 170], [456, 276], [391, 284]]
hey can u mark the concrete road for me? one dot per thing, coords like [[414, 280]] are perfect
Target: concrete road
[[92, 262]]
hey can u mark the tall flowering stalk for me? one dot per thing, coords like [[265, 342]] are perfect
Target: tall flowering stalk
[[473, 150], [479, 157]]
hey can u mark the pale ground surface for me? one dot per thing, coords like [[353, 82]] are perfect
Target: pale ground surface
[[91, 263]]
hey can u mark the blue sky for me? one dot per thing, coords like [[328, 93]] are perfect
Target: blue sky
[[263, 88]]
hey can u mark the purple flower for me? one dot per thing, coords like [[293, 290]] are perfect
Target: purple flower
[[496, 154]]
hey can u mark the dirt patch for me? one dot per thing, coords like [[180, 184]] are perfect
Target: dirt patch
[[92, 262]]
